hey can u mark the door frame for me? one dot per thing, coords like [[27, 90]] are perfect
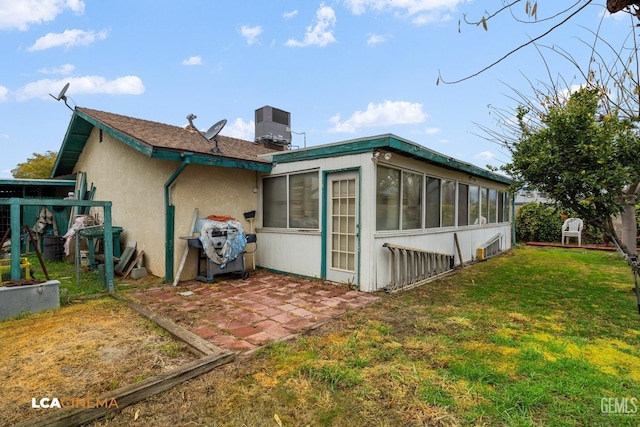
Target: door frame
[[325, 219]]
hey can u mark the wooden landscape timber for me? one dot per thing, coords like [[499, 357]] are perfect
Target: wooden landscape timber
[[212, 357], [195, 344], [131, 394]]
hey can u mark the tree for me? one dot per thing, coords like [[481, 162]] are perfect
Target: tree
[[581, 155], [614, 6], [39, 166]]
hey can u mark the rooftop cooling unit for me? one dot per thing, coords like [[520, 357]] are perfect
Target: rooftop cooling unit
[[273, 127]]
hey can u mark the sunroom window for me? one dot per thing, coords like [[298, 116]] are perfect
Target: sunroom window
[[463, 205], [274, 202], [433, 202], [493, 206], [411, 201], [448, 203], [474, 204], [387, 199], [291, 201]]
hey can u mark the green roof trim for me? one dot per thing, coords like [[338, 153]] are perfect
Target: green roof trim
[[223, 162], [39, 182], [73, 143], [389, 142], [131, 142]]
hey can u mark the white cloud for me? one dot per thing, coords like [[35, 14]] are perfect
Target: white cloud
[[429, 18], [563, 95], [127, 85], [375, 39], [289, 15], [192, 60], [431, 131], [240, 129], [421, 12], [251, 34], [64, 70], [321, 33], [67, 38], [19, 14], [4, 92], [485, 155], [388, 113]]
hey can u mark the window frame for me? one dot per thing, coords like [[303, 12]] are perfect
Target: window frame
[[489, 203], [288, 200]]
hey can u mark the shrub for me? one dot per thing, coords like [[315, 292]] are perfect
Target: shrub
[[541, 222], [538, 222]]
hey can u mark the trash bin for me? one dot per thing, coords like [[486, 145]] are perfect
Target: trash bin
[[53, 247]]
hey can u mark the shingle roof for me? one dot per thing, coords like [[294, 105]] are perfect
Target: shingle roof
[[167, 137]]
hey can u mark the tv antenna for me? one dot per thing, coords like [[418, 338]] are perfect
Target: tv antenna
[[212, 133], [62, 96], [191, 118]]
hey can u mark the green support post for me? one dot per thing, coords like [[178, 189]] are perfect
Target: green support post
[[15, 239]]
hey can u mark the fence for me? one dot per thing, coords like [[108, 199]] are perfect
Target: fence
[[411, 267]]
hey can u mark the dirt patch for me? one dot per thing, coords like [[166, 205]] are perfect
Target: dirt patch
[[80, 351]]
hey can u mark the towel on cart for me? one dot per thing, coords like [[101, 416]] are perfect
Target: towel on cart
[[233, 246]]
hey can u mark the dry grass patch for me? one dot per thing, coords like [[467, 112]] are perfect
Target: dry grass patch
[[80, 351]]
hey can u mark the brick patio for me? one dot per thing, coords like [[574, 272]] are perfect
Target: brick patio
[[242, 315]]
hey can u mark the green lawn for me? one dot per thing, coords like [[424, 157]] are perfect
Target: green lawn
[[78, 283], [537, 336], [533, 337]]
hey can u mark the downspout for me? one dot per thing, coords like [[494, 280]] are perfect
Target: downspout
[[169, 216]]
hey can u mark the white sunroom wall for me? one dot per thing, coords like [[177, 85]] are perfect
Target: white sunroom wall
[[299, 251], [439, 239]]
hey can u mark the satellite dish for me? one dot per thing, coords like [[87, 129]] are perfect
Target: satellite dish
[[62, 96], [215, 129], [213, 132]]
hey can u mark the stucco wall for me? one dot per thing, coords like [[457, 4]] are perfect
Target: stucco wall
[[134, 183]]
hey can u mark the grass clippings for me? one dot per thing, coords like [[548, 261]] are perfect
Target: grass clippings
[[82, 350], [533, 337]]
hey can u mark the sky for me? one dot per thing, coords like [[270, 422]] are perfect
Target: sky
[[344, 69]]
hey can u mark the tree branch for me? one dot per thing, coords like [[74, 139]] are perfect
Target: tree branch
[[532, 41]]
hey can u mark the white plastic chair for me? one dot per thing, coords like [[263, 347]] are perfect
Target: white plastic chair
[[572, 227]]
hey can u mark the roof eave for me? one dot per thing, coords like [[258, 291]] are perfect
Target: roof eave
[[392, 143], [80, 119], [201, 159]]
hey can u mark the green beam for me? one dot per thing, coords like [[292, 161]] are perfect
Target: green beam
[[223, 162], [39, 182], [15, 204]]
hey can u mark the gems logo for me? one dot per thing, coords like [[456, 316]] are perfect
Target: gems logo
[[619, 405]]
